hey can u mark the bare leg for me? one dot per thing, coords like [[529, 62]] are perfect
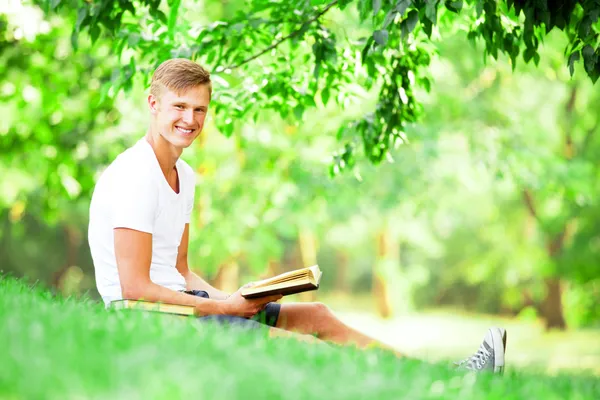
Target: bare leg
[[282, 333], [318, 319]]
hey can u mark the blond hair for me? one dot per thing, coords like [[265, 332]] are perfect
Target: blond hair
[[179, 74]]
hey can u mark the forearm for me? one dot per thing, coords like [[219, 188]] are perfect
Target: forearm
[[157, 293], [194, 282]]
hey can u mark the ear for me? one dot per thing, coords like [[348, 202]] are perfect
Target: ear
[[153, 104]]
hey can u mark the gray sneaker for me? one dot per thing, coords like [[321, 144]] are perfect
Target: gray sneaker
[[490, 356]]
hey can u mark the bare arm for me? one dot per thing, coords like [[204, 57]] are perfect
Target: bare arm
[[193, 281], [133, 250]]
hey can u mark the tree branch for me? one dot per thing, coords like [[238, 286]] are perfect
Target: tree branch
[[291, 35], [528, 199], [569, 148], [555, 245], [588, 137]]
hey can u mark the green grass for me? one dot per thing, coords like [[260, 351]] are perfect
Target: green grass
[[55, 348]]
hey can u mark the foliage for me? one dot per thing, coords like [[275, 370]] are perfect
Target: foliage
[[51, 106], [529, 140], [454, 199], [289, 56]]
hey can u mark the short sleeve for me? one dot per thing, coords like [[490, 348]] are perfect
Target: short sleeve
[[135, 202], [190, 178]]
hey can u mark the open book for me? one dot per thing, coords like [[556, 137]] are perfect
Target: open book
[[152, 306], [298, 281]]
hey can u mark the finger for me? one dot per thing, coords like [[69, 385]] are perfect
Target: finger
[[266, 299], [275, 297]]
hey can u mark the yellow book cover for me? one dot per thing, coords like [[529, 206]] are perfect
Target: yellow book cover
[[152, 306], [298, 281]]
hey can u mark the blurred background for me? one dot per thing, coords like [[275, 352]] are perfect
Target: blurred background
[[489, 213]]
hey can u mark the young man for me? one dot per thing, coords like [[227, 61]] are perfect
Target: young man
[[139, 227]]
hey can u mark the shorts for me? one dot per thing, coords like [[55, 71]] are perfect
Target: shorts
[[267, 316]]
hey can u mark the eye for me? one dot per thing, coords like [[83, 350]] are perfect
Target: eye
[[179, 106], [200, 110]]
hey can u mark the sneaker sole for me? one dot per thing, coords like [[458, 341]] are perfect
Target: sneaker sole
[[499, 343]]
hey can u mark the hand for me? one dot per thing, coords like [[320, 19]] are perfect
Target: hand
[[239, 306]]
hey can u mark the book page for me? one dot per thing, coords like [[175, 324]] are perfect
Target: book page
[[316, 273], [275, 286], [286, 276], [312, 273]]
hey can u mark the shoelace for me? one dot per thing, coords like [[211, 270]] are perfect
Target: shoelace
[[477, 360]]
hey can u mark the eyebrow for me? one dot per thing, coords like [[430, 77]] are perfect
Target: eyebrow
[[183, 103]]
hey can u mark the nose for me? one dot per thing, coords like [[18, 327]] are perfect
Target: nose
[[188, 116]]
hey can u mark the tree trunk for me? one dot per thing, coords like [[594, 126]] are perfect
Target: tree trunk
[[228, 279], [202, 198], [70, 268], [386, 250], [308, 253], [529, 227], [273, 269], [341, 278], [552, 309]]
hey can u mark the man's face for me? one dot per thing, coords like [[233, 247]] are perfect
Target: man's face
[[179, 118]]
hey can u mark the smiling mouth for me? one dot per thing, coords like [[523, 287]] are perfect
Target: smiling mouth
[[184, 130]]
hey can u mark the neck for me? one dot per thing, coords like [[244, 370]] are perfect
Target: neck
[[166, 154]]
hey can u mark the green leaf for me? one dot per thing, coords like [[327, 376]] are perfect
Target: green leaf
[[454, 6], [158, 14], [376, 6], [343, 3], [317, 69], [128, 7], [431, 10], [427, 27], [82, 13], [365, 8], [299, 111], [402, 5], [479, 8], [309, 101], [133, 39], [226, 128], [409, 23], [365, 50], [389, 17], [472, 35], [426, 84], [381, 36], [94, 32], [74, 42], [590, 59], [585, 27], [513, 57], [595, 74], [325, 93], [529, 53], [174, 9]]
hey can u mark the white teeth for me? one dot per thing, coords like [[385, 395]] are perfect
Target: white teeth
[[184, 130]]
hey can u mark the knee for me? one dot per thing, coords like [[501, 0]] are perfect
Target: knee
[[324, 321], [321, 310]]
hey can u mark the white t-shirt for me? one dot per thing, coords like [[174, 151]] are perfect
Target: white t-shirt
[[133, 193]]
